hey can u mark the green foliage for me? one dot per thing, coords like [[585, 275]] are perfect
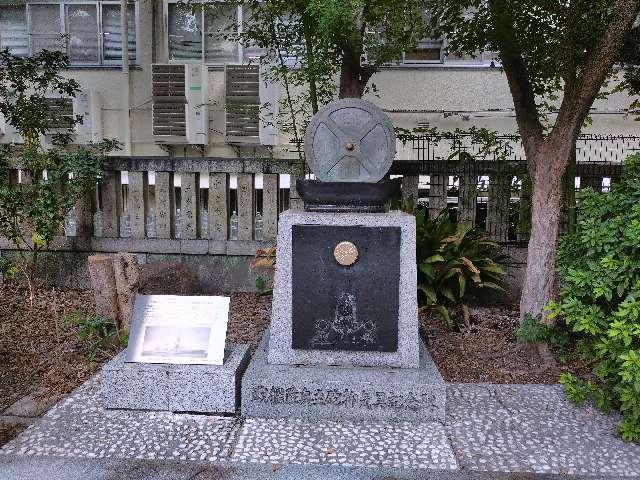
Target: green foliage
[[263, 286], [489, 144], [264, 262], [33, 212], [99, 335], [599, 303], [383, 28], [24, 83], [7, 267], [555, 39], [454, 262], [630, 61], [532, 330]]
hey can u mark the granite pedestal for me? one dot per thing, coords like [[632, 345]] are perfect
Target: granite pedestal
[[176, 388], [343, 392], [344, 339], [386, 290]]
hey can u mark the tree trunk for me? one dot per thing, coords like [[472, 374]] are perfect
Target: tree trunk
[[127, 277], [313, 90], [538, 286], [352, 78], [103, 284], [349, 84]]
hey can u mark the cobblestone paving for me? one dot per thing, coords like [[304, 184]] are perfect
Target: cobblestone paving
[[533, 428], [489, 428], [344, 443], [79, 427]]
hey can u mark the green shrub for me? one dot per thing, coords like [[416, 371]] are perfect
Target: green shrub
[[533, 330], [454, 262], [599, 302], [264, 262], [99, 335], [54, 178]]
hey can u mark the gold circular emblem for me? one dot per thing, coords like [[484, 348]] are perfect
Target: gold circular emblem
[[346, 253]]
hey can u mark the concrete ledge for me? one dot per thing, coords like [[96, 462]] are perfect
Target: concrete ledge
[[151, 245], [332, 392], [176, 388]]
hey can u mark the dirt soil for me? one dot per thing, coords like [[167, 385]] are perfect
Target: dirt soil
[[39, 353], [487, 351], [42, 356]]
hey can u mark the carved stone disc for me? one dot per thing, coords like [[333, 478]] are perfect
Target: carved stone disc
[[350, 140], [345, 253]]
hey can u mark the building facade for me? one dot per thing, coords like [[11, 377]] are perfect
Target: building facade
[[176, 56]]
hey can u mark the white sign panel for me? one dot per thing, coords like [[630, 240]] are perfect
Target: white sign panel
[[178, 329]]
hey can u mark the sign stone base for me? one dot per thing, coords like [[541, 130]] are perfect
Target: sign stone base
[[334, 392], [176, 388]]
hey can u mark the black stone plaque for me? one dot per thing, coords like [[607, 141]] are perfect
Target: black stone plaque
[[338, 307]]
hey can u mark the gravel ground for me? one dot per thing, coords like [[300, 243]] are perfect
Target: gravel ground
[[248, 319], [8, 431], [38, 351]]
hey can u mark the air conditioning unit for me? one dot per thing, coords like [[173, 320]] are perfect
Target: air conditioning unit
[[180, 113], [251, 106], [87, 106]]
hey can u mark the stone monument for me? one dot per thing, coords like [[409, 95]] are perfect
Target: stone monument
[[344, 340], [177, 358]]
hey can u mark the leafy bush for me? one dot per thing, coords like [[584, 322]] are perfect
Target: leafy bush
[[99, 335], [53, 179], [264, 262], [454, 262], [599, 303]]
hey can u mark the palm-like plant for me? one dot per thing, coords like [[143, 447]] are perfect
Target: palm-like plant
[[454, 260]]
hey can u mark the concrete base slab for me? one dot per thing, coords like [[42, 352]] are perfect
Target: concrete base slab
[[28, 406], [334, 392], [175, 388], [492, 432]]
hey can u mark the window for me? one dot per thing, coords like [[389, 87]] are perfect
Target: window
[[185, 34], [480, 58], [82, 28], [89, 32], [432, 52], [112, 36], [217, 49], [46, 28], [13, 30], [199, 35], [435, 52], [427, 51]]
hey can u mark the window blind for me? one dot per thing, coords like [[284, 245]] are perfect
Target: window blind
[[112, 35], [82, 30], [13, 30]]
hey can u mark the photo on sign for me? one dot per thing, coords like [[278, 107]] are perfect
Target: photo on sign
[[171, 342], [176, 329]]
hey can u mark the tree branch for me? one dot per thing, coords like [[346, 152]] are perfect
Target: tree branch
[[570, 54], [515, 68], [578, 100]]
